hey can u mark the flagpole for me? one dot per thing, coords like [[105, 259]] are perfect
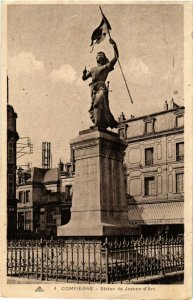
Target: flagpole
[[119, 63]]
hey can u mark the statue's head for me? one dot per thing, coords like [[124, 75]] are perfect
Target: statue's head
[[101, 58]]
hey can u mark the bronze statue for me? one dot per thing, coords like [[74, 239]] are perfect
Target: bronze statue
[[99, 112]]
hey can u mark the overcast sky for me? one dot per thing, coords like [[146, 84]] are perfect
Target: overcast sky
[[48, 47]]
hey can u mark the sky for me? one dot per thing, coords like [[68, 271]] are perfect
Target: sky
[[48, 48]]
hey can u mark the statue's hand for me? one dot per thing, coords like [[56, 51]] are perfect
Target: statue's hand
[[85, 71]]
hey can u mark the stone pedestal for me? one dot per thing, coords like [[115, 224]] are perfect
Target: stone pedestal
[[99, 205]]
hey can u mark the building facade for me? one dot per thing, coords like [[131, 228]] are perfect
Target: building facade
[[12, 137], [154, 179], [67, 183], [43, 200], [29, 190], [154, 169]]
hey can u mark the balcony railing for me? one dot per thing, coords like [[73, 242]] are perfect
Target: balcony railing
[[149, 162], [180, 157]]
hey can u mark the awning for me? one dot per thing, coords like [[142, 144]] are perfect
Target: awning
[[156, 213]]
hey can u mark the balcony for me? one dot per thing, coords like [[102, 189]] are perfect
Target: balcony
[[180, 157], [149, 162]]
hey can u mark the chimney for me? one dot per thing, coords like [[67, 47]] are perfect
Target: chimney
[[166, 105], [20, 175], [61, 166], [122, 117], [26, 175], [172, 104]]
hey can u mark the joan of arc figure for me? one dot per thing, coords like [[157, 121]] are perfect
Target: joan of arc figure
[[99, 112]]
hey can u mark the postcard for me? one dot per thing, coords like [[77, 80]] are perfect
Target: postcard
[[96, 149]]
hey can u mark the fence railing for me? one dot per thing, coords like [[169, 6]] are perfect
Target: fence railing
[[89, 261]]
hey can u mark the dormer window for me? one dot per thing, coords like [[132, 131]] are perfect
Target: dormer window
[[68, 192], [179, 121], [149, 125], [122, 127], [179, 118], [122, 131]]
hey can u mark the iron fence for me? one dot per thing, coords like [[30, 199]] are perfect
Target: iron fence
[[89, 261]]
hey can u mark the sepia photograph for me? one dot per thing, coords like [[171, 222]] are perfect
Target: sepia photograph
[[96, 98]]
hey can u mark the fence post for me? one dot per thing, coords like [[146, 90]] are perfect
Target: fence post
[[107, 259], [42, 259], [160, 255]]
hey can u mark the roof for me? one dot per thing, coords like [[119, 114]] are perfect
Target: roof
[[37, 174], [51, 175], [154, 114]]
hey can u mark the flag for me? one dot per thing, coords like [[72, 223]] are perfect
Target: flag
[[100, 32]]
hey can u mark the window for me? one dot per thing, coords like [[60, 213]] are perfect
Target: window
[[10, 184], [149, 157], [51, 219], [42, 218], [123, 131], [68, 169], [20, 197], [179, 183], [21, 221], [68, 192], [28, 220], [20, 179], [27, 193], [149, 127], [10, 152], [179, 121], [179, 151], [149, 186]]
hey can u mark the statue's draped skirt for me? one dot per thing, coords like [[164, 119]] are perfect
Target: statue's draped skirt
[[100, 113]]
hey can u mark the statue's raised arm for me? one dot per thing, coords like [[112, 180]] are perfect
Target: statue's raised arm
[[116, 53]]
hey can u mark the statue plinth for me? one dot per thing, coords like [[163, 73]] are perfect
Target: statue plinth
[[99, 205]]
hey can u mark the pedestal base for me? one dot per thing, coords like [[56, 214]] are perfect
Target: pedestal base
[[99, 204], [98, 230]]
